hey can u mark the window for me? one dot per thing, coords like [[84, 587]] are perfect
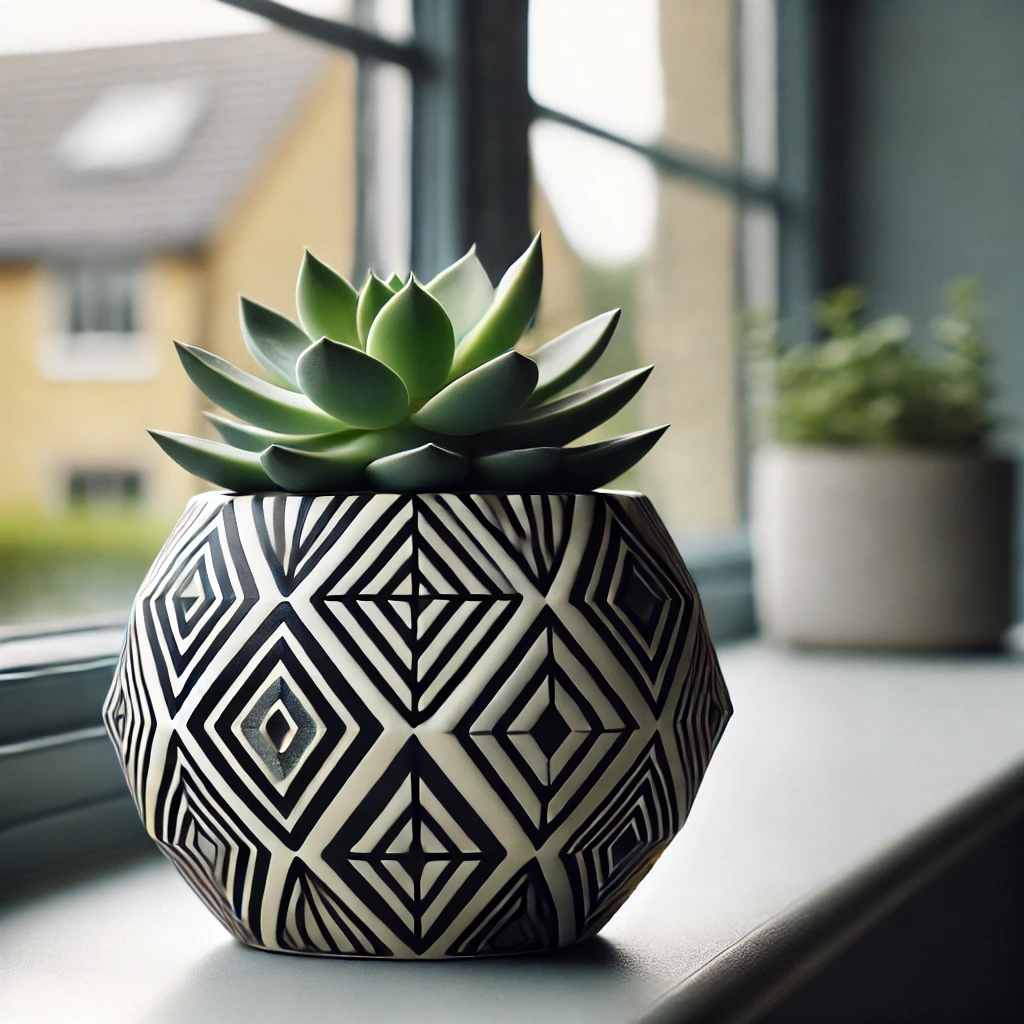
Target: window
[[101, 300], [133, 127], [97, 325], [652, 144], [91, 488]]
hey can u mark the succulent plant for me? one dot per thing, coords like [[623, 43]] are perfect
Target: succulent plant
[[403, 387]]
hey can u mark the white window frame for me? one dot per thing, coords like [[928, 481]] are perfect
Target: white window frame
[[94, 356]]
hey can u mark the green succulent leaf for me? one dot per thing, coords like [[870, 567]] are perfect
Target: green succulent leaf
[[413, 335], [255, 439], [594, 465], [339, 468], [219, 463], [465, 291], [565, 419], [252, 399], [566, 358], [372, 298], [395, 283], [427, 468], [481, 399], [273, 340], [520, 470], [355, 387], [515, 303], [326, 302]]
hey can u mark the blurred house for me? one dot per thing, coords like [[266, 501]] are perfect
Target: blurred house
[[140, 189]]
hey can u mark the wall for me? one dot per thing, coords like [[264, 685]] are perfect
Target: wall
[[56, 425], [934, 155], [302, 197]]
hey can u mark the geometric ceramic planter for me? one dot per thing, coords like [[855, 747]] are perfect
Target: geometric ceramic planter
[[437, 726]]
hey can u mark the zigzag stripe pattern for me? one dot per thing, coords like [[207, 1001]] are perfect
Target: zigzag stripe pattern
[[436, 726]]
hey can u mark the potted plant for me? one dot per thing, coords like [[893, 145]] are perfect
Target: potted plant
[[410, 686], [881, 516]]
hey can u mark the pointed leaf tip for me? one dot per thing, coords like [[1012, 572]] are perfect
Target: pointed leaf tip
[[427, 468], [326, 302], [593, 465], [273, 340], [250, 398], [373, 296], [219, 463], [465, 291], [413, 336], [565, 359], [353, 386], [515, 304], [482, 399]]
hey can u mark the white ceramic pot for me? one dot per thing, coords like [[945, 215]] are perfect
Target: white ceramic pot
[[438, 726], [895, 549]]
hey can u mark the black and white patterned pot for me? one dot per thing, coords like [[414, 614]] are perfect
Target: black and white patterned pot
[[416, 727]]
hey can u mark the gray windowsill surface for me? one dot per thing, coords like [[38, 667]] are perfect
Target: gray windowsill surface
[[837, 779]]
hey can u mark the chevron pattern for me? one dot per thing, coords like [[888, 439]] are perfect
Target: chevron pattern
[[438, 726]]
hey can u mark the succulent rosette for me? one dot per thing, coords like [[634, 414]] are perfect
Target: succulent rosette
[[409, 387]]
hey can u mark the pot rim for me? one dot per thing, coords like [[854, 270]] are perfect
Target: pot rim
[[883, 454], [600, 492]]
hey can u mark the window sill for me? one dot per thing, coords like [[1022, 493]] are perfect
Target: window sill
[[98, 358], [842, 784]]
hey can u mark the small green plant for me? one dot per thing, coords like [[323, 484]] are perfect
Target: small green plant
[[867, 384], [408, 387]]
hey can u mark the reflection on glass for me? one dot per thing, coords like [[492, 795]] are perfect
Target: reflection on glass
[[653, 71], [678, 294]]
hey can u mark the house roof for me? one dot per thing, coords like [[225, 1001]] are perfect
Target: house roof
[[251, 86]]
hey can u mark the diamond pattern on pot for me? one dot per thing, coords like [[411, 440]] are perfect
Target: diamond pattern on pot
[[618, 845], [129, 717], [533, 529], [283, 727], [314, 919], [195, 596], [639, 604], [217, 855], [520, 919], [414, 851], [415, 605], [545, 727], [700, 716], [296, 532]]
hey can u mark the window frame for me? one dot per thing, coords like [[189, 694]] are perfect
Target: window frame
[[64, 354], [470, 182]]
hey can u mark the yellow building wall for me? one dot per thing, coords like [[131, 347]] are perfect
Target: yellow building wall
[[55, 426], [302, 195]]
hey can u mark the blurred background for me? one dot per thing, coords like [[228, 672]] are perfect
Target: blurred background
[[686, 160]]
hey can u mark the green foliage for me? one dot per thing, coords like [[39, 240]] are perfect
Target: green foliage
[[74, 563], [404, 387], [869, 385]]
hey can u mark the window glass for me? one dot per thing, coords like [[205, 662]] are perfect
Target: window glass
[[654, 71], [159, 159], [680, 258], [617, 234]]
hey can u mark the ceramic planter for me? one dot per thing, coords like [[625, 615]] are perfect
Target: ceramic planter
[[883, 549], [440, 726]]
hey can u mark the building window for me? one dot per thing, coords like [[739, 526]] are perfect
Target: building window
[[101, 301], [96, 325], [88, 488]]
